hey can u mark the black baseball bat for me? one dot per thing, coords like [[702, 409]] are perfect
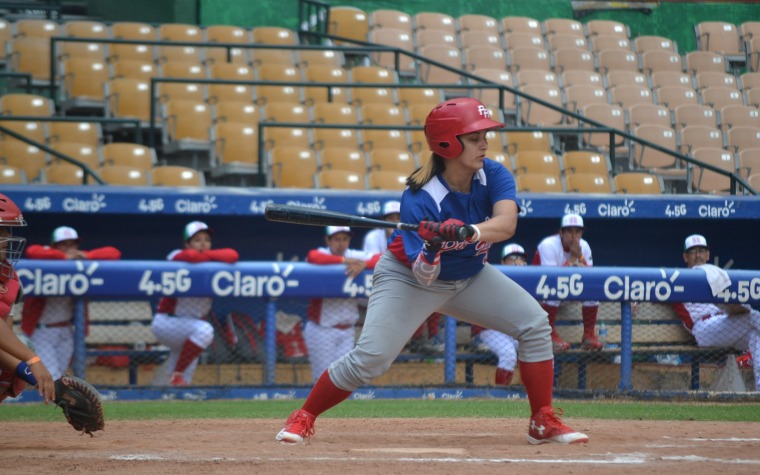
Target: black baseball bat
[[319, 217]]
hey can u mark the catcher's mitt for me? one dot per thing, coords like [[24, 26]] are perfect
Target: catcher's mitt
[[81, 404]]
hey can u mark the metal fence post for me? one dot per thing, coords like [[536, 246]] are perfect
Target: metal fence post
[[80, 351], [450, 355], [626, 349], [270, 343]]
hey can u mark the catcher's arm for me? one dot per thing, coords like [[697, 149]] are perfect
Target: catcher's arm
[[16, 356]]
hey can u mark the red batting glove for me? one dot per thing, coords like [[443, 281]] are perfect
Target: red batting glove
[[429, 230], [449, 229]]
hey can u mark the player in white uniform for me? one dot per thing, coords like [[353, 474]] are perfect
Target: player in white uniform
[[568, 248], [48, 321], [444, 267], [179, 321], [376, 241], [501, 344], [329, 333], [726, 325]]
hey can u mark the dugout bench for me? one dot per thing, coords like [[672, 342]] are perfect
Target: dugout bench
[[656, 331], [123, 329]]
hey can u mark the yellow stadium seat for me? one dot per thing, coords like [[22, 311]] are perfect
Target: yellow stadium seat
[[292, 167], [123, 175], [172, 175], [339, 179], [129, 154], [636, 183]]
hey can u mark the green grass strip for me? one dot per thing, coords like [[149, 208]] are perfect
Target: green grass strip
[[398, 408]]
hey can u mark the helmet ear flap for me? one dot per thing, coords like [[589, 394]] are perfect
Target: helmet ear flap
[[450, 149]]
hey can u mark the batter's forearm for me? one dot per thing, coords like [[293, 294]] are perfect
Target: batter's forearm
[[497, 229], [427, 267]]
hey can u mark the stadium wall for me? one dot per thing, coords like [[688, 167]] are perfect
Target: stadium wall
[[147, 223], [673, 20]]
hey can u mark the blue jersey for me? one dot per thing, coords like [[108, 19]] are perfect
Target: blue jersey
[[435, 201]]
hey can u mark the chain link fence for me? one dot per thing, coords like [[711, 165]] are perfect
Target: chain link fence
[[265, 340]]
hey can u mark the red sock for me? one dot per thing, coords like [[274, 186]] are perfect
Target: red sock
[[420, 332], [552, 312], [324, 395], [434, 324], [538, 379], [503, 377], [589, 319], [189, 352]]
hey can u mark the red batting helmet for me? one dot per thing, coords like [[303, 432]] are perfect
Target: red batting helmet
[[450, 119], [10, 247]]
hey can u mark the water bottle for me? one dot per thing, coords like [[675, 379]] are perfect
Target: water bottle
[[603, 335]]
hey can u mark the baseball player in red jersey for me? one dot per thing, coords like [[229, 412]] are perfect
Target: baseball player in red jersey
[[178, 322], [444, 267], [329, 333], [727, 325], [568, 248], [19, 365], [48, 321]]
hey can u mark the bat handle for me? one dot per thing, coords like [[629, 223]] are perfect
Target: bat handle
[[464, 232]]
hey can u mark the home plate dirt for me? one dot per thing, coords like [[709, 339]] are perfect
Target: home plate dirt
[[383, 447]]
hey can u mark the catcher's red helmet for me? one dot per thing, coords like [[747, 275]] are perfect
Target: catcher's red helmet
[[10, 214], [453, 118], [11, 246]]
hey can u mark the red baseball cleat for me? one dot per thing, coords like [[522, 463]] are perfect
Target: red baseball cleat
[[298, 428], [177, 379], [745, 360], [545, 426]]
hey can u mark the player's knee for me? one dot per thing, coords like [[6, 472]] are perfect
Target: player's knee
[[203, 335], [358, 368]]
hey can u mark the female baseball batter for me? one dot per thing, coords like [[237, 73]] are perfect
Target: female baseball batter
[[178, 322], [435, 270]]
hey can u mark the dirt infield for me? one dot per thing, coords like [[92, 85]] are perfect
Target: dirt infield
[[382, 447]]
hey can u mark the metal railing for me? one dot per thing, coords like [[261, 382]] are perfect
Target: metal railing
[[27, 79]]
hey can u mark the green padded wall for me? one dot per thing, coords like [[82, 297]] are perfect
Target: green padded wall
[[672, 20], [148, 11]]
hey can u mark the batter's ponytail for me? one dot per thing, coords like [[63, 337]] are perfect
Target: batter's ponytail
[[425, 173]]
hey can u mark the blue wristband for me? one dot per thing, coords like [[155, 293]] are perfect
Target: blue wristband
[[23, 372]]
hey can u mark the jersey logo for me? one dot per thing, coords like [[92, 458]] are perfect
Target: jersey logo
[[483, 110], [3, 288]]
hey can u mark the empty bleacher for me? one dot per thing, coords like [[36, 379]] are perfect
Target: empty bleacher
[[594, 69]]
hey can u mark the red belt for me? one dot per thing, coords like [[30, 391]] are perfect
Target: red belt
[[54, 325], [340, 326]]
